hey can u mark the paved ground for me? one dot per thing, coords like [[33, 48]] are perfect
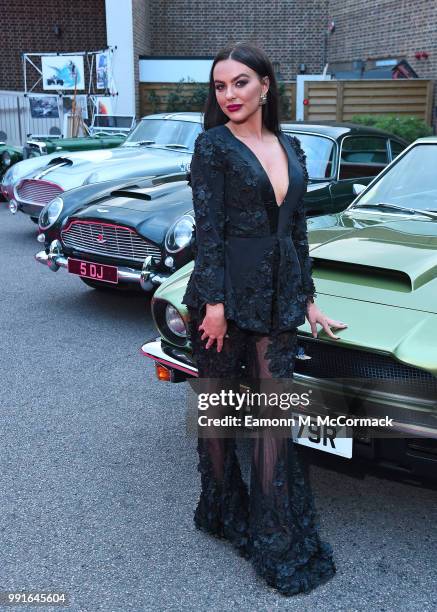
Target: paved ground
[[99, 480]]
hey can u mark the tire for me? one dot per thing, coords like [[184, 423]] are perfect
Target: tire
[[110, 288], [100, 286]]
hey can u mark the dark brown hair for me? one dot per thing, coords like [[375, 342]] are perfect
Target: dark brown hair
[[255, 58]]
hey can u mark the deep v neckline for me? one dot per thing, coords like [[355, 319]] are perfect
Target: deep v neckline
[[279, 137]]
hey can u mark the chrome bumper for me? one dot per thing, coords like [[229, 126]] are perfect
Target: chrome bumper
[[154, 351], [146, 279], [28, 208]]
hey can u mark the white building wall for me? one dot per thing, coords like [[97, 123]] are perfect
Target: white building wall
[[119, 31], [172, 70]]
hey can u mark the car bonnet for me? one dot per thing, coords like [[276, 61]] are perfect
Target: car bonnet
[[391, 261]]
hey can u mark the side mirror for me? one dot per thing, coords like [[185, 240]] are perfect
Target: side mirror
[[358, 188]]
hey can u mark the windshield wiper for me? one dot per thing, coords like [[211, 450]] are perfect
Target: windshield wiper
[[176, 145], [141, 143], [411, 211]]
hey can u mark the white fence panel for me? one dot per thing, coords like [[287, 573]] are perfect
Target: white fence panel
[[11, 116], [15, 120]]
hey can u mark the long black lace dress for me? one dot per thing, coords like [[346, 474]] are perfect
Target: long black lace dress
[[252, 255]]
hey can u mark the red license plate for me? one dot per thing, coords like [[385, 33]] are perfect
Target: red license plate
[[96, 271]]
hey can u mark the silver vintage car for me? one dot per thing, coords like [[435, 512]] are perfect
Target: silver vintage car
[[159, 144]]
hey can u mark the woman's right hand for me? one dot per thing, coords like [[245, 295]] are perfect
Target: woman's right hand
[[214, 325]]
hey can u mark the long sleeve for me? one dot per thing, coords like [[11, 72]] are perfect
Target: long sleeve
[[207, 182], [300, 232]]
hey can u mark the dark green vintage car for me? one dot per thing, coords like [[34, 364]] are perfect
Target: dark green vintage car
[[9, 155], [35, 148], [375, 268], [341, 158]]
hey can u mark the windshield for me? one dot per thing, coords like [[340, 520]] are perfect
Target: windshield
[[165, 132], [320, 154], [411, 182]]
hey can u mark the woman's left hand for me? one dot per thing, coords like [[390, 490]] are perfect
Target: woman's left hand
[[314, 316]]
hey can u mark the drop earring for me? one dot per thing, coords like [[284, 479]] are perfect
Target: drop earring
[[263, 99]]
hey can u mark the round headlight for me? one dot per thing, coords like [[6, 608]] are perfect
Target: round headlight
[[50, 213], [175, 322], [8, 176], [179, 235], [6, 159]]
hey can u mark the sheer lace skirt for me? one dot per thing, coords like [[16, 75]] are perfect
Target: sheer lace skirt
[[274, 524]]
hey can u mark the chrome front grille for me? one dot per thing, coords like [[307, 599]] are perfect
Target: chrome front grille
[[108, 240], [334, 362], [37, 192]]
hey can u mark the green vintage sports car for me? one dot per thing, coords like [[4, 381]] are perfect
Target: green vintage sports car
[[375, 268], [9, 155]]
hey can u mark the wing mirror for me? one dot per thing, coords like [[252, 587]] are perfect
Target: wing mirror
[[358, 188]]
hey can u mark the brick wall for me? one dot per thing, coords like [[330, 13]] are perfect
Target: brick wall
[[290, 31], [294, 31], [142, 42], [385, 29], [28, 27]]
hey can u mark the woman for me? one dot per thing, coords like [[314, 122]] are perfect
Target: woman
[[250, 288]]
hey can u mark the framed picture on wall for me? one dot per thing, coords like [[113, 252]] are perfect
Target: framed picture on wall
[[44, 107], [60, 72]]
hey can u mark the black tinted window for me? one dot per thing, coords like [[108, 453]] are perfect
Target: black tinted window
[[319, 152], [362, 156], [396, 148]]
